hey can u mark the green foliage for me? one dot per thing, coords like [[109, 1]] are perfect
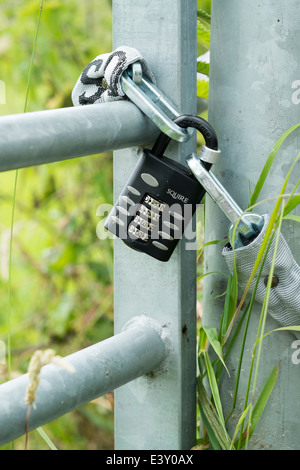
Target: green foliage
[[203, 41], [71, 33], [61, 273], [203, 31]]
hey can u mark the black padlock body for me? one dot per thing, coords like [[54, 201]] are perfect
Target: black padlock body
[[155, 206]]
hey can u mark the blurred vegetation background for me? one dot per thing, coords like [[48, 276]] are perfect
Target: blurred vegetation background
[[62, 275]]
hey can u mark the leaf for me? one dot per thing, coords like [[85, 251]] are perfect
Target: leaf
[[203, 35], [203, 15], [283, 328], [212, 242], [217, 436], [239, 424], [229, 304], [201, 444], [202, 340], [46, 438], [291, 204], [207, 274], [60, 319], [214, 389], [202, 67], [296, 218], [260, 405], [202, 89], [212, 337]]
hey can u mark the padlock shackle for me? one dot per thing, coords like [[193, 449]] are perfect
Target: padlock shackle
[[187, 120]]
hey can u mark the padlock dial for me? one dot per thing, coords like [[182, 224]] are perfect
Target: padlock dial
[[155, 206]]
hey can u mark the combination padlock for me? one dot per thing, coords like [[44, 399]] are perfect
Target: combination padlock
[[160, 197]]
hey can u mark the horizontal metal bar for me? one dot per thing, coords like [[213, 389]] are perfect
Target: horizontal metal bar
[[60, 134], [98, 369]]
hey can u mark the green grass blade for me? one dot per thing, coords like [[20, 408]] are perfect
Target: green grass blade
[[229, 304], [292, 203], [283, 328], [46, 438], [207, 274], [293, 200], [214, 389], [239, 424], [218, 437], [295, 218], [203, 15], [212, 337], [262, 321], [260, 405], [268, 165], [203, 67]]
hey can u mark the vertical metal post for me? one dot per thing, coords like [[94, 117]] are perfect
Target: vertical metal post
[[253, 75], [159, 412]]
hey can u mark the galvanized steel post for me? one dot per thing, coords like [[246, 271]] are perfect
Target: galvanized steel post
[[254, 78], [160, 412]]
